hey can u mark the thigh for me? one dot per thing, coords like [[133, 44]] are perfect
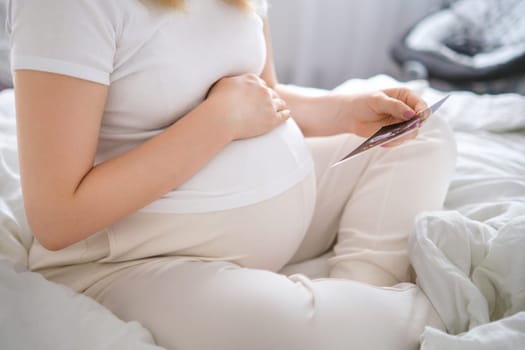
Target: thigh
[[210, 305], [399, 183], [425, 165], [219, 305]]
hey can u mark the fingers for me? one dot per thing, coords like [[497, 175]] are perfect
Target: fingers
[[402, 104], [408, 97], [281, 110], [283, 115], [391, 106], [278, 104]]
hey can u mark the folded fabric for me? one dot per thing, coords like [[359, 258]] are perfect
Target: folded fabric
[[472, 272], [508, 333]]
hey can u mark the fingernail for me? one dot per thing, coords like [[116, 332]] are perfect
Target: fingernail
[[409, 113]]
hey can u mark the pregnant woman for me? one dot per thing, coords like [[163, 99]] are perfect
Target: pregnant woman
[[167, 175]]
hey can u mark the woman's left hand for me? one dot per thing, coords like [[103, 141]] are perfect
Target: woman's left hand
[[364, 114]]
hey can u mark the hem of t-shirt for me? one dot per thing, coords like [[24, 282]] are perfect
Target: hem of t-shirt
[[52, 65], [210, 203]]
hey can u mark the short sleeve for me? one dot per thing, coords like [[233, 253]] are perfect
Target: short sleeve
[[70, 37]]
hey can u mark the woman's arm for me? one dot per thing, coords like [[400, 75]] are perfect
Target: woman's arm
[[68, 199], [331, 114]]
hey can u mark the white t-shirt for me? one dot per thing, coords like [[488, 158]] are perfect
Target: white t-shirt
[[159, 64]]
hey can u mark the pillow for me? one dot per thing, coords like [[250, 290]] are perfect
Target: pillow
[[38, 314]]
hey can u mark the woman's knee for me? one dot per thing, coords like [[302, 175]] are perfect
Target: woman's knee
[[215, 305], [265, 310], [439, 137], [218, 305]]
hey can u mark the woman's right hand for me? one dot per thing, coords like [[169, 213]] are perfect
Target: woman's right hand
[[251, 108]]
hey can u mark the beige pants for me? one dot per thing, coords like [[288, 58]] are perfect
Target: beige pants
[[211, 281]]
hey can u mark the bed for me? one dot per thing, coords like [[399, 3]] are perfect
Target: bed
[[469, 257]]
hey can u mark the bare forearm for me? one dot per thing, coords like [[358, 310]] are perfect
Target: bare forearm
[[120, 186], [316, 114]]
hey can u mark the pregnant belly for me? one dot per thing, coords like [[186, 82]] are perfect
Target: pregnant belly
[[244, 172]]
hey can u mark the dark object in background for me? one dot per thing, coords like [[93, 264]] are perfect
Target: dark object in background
[[471, 44]]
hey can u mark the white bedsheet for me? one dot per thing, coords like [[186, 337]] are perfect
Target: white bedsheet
[[470, 260], [15, 237], [38, 314], [469, 257]]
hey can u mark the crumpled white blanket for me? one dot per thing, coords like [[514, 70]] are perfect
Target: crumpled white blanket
[[474, 274]]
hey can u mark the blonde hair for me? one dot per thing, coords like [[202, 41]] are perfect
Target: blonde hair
[[179, 4]]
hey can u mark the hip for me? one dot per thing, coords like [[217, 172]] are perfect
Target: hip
[[264, 235]]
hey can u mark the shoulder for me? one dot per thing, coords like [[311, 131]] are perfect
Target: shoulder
[[62, 10], [70, 37]]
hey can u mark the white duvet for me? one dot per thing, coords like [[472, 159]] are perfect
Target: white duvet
[[470, 258]]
